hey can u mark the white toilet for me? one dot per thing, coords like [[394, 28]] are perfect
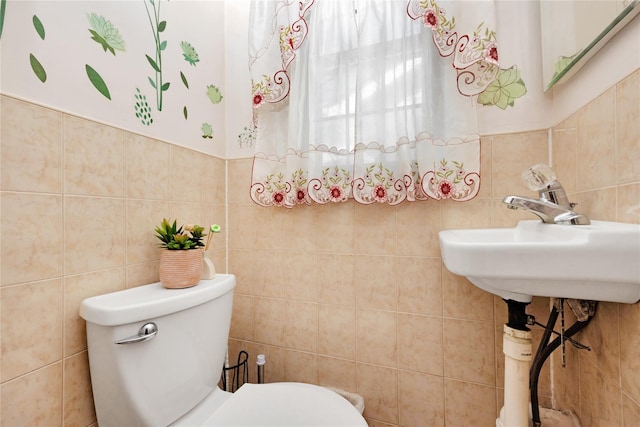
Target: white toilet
[[156, 356]]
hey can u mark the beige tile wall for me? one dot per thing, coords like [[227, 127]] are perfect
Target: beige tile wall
[[356, 297], [597, 153], [346, 295], [384, 318], [79, 202]]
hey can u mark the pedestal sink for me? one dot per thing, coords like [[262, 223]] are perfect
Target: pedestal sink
[[599, 261]]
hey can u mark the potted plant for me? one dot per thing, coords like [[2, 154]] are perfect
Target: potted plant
[[181, 259]]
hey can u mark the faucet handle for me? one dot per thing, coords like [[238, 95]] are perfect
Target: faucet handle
[[538, 177]]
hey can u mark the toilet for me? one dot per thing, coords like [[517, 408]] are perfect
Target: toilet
[[156, 356]]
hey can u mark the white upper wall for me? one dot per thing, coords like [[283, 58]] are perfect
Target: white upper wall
[[616, 60], [218, 32], [48, 52], [518, 33], [239, 120]]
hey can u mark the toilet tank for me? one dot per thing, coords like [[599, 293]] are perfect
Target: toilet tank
[[156, 381]]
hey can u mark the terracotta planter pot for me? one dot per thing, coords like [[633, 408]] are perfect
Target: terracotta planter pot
[[180, 268]]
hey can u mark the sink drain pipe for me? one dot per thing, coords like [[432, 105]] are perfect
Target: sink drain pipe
[[516, 346], [545, 350], [521, 378]]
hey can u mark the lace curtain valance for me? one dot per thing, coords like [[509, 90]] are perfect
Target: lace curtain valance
[[368, 99]]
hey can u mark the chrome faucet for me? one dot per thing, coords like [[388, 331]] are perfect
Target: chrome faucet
[[553, 206]]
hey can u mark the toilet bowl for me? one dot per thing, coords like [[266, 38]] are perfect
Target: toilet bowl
[[275, 404], [156, 356]]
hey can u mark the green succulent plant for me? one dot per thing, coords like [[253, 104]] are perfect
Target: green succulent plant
[[179, 238]]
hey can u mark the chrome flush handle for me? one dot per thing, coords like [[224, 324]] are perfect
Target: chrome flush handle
[[146, 332]]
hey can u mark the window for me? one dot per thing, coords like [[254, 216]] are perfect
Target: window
[[358, 99]]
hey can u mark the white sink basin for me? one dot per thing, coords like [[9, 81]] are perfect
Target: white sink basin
[[600, 261]]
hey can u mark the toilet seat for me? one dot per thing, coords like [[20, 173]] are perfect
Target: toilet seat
[[279, 404]]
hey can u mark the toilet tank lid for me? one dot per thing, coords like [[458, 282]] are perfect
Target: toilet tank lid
[[151, 301]]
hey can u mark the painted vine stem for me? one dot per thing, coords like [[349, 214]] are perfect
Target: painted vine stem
[[157, 27]]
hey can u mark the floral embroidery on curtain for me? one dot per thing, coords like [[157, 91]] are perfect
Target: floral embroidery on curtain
[[275, 87], [356, 99], [475, 58]]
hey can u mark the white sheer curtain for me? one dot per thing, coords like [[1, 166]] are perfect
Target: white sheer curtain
[[368, 99]]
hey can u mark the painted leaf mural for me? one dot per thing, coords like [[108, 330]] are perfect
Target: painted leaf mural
[[189, 53], [157, 27], [37, 24], [153, 63], [37, 68], [207, 131], [191, 56], [80, 49], [214, 94], [97, 81], [142, 108], [184, 80], [105, 34]]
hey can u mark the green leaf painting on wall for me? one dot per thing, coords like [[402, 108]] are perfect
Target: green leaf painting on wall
[[214, 94], [37, 68], [169, 58], [142, 108], [97, 81], [154, 65], [186, 84], [37, 24], [184, 80], [157, 27], [207, 131], [189, 53], [191, 56], [105, 34]]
